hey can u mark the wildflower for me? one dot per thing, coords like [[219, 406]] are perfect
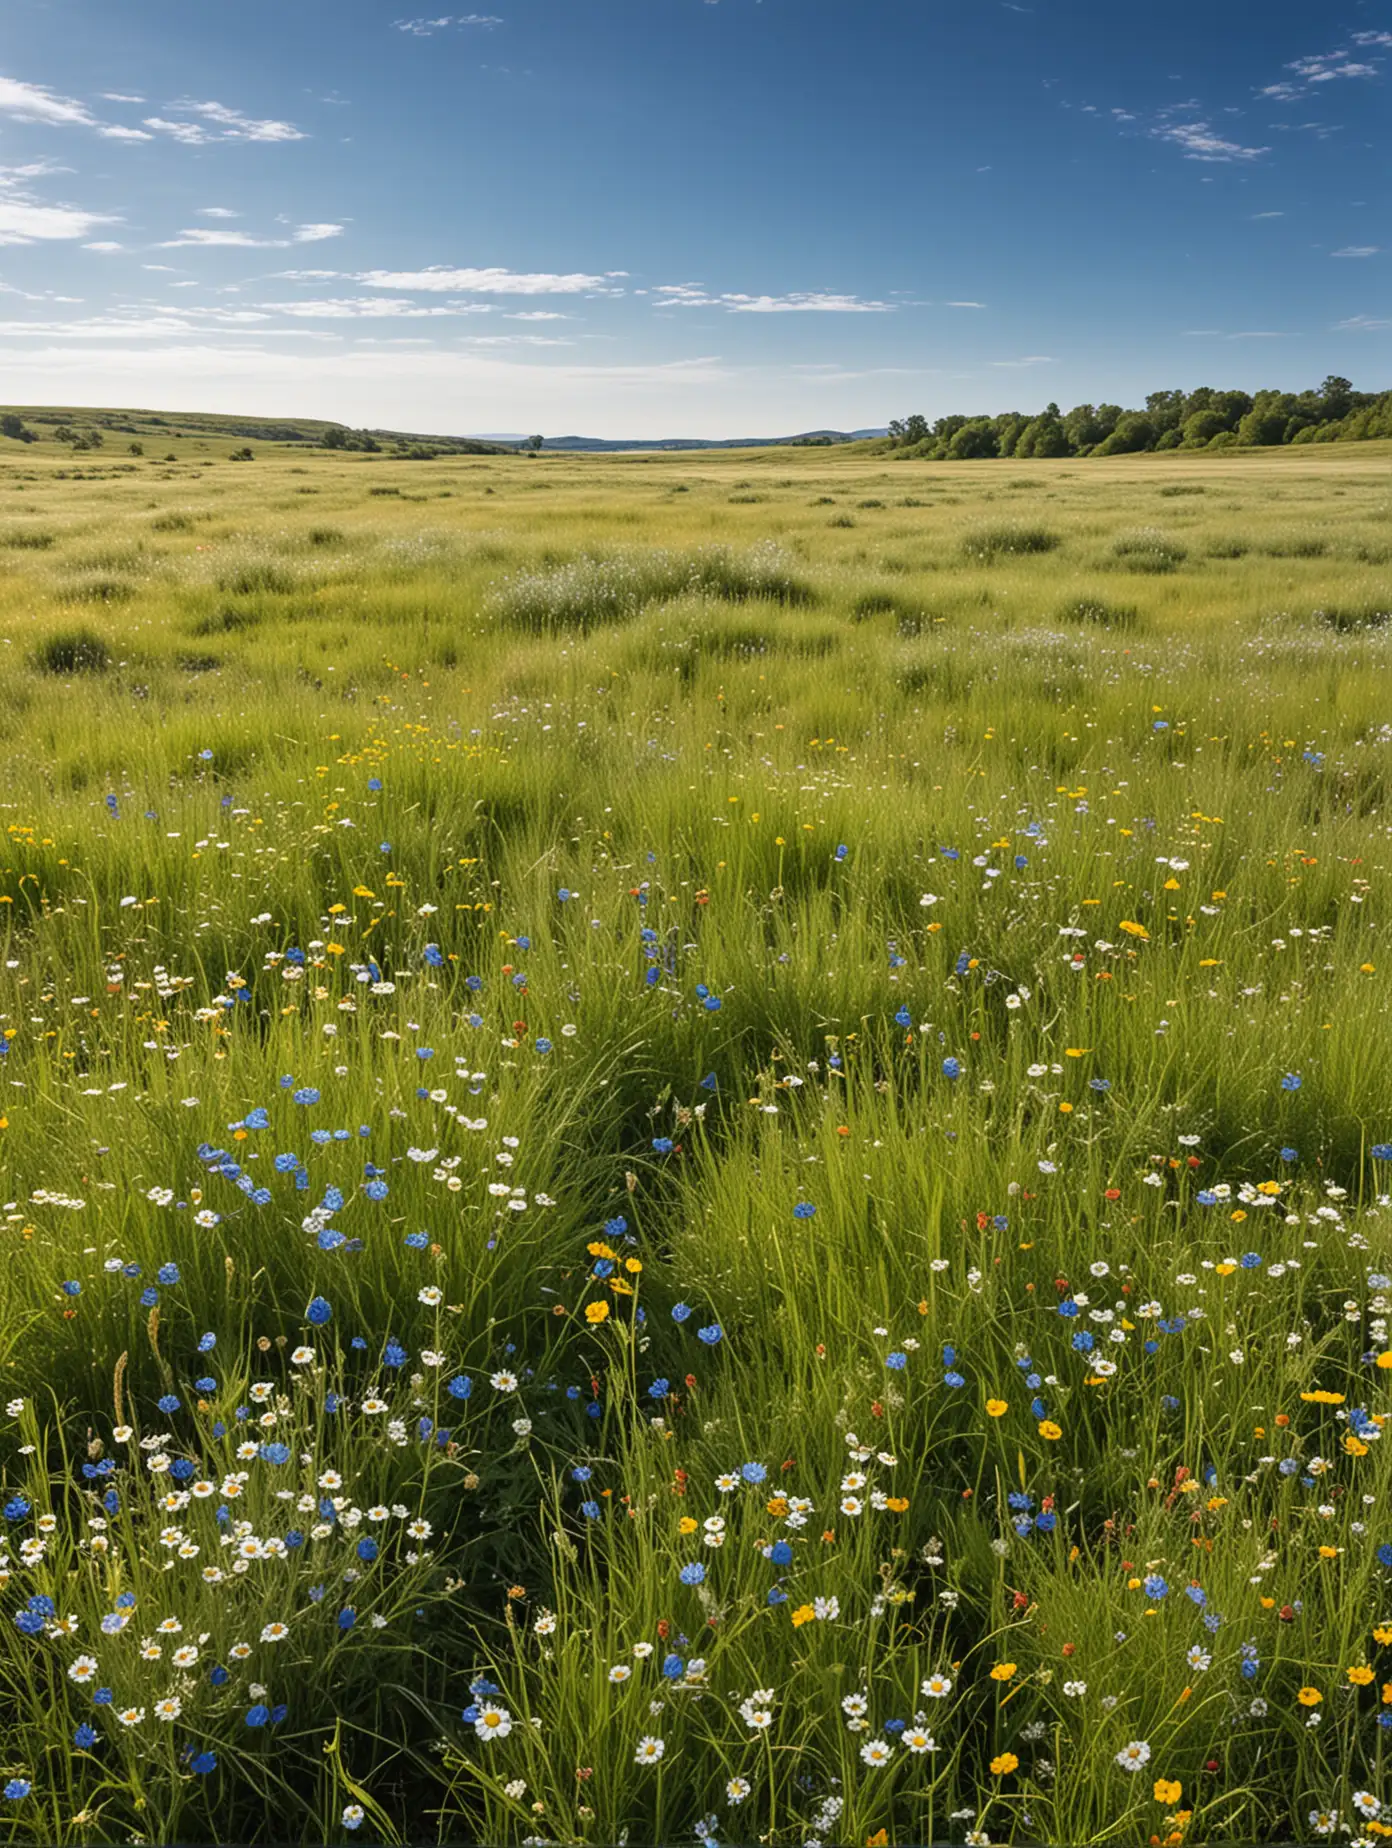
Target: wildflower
[[492, 1721], [1132, 1757], [996, 1408], [649, 1751], [876, 1752], [1003, 1763], [1167, 1790]]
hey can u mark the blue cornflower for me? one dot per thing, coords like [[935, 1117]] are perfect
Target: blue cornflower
[[710, 1335], [168, 1402], [662, 1145], [305, 1095], [693, 1574], [952, 1068], [753, 1472], [1291, 1081], [680, 1311], [18, 1787], [460, 1386], [1380, 1151], [168, 1273], [1156, 1587], [673, 1668], [318, 1312], [780, 1553], [953, 1379], [85, 1737], [897, 1361], [659, 1389], [804, 1210], [903, 1017], [202, 1763], [258, 1715]]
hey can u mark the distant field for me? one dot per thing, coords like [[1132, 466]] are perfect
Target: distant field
[[694, 1146]]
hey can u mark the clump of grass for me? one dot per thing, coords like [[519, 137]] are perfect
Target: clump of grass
[[226, 621], [1346, 617], [257, 575], [1296, 545], [1146, 548], [175, 521], [96, 587], [324, 535], [746, 500], [1102, 614], [589, 591], [29, 539], [71, 651], [1182, 487], [1230, 547], [841, 519], [1009, 539]]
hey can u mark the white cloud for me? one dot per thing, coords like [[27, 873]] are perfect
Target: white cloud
[[1257, 215], [491, 281], [373, 307], [538, 314], [426, 28], [1030, 359], [1200, 142], [119, 96], [106, 246], [216, 211], [35, 102], [964, 304], [1356, 250], [216, 122], [692, 295], [25, 219], [201, 238], [1361, 324]]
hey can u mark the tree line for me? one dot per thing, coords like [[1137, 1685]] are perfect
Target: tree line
[[1200, 419]]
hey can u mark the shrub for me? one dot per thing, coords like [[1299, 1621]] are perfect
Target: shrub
[[72, 651], [1008, 540]]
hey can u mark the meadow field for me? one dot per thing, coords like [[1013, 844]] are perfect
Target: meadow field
[[695, 1148]]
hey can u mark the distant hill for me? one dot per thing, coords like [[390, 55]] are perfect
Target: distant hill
[[811, 438], [47, 422]]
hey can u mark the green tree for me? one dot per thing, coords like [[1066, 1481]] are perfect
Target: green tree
[[1134, 431], [1202, 426], [973, 442]]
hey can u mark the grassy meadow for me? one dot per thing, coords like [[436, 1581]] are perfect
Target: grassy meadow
[[695, 1148]]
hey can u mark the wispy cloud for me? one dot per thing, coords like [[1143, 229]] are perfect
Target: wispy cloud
[[425, 28], [26, 219], [1200, 141], [35, 102], [1361, 324], [199, 237], [216, 122], [371, 307], [1030, 359], [216, 211], [1217, 333], [491, 281], [1356, 250], [693, 295], [1256, 215], [1326, 67], [119, 96]]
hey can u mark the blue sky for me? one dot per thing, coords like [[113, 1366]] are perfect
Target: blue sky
[[687, 217]]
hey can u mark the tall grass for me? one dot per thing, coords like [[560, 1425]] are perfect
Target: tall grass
[[658, 1193]]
